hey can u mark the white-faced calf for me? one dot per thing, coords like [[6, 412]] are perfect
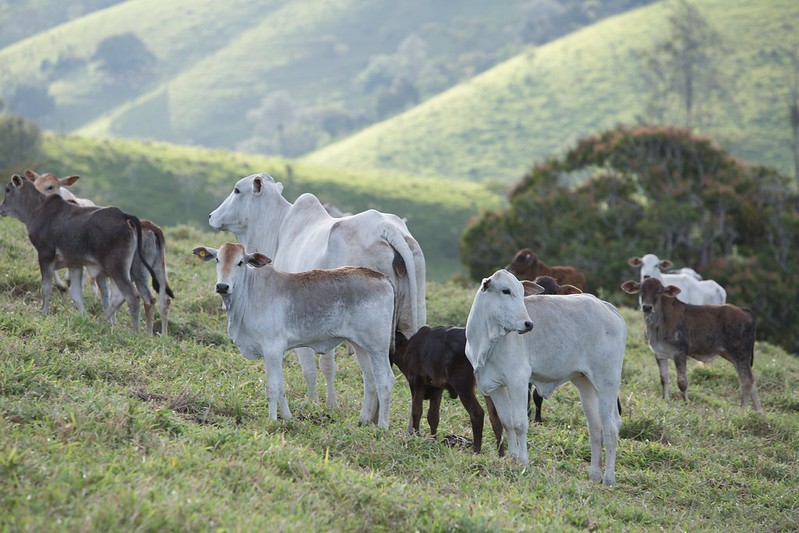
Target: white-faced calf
[[676, 330]]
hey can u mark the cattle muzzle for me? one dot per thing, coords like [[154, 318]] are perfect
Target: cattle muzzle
[[222, 288], [528, 326], [647, 308]]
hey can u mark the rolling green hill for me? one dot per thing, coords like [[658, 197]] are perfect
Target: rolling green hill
[[173, 184], [540, 102], [214, 61]]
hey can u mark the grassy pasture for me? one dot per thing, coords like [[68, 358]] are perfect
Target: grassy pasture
[[103, 429]]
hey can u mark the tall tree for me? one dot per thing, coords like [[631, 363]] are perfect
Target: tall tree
[[681, 69]]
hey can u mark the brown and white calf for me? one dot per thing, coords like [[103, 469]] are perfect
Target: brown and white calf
[[104, 240], [527, 265], [270, 312], [434, 360], [676, 330], [48, 183]]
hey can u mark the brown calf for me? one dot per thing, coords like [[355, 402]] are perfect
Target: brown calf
[[676, 330], [434, 360], [527, 265], [64, 234]]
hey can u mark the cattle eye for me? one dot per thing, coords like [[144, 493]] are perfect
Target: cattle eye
[[236, 190], [506, 291], [241, 263]]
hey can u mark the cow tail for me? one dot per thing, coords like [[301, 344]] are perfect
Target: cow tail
[[137, 224], [397, 241], [751, 336], [160, 244]]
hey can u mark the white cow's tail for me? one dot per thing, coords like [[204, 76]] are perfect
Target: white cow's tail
[[405, 272]]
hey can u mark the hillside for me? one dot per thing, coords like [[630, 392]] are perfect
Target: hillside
[[105, 430], [173, 184], [538, 103], [205, 64]]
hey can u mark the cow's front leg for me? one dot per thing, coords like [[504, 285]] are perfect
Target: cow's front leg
[[511, 406], [327, 363], [47, 269], [663, 366], [369, 411], [680, 362], [307, 358], [275, 385]]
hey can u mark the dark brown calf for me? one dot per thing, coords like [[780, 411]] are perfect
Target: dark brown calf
[[527, 265], [434, 360], [64, 234], [676, 330]]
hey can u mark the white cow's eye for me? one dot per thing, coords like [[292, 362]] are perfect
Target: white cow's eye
[[241, 262], [506, 291], [236, 190]]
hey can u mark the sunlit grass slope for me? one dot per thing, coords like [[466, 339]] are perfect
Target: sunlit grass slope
[[538, 103], [102, 429]]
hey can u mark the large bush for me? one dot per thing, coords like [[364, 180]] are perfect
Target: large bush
[[631, 191]]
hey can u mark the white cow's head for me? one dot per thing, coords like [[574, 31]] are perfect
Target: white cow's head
[[232, 261], [651, 266], [240, 206], [498, 309]]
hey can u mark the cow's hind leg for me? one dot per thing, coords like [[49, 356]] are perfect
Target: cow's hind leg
[[434, 409], [76, 288], [369, 410], [681, 364], [748, 386], [307, 358], [476, 416], [496, 425], [129, 294], [591, 408], [327, 363]]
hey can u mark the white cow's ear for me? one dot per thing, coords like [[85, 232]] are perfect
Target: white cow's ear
[[666, 264], [634, 261], [630, 286], [531, 288], [257, 185], [486, 284], [257, 260], [279, 187], [205, 253]]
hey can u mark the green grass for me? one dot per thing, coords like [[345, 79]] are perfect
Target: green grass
[[104, 429], [537, 104]]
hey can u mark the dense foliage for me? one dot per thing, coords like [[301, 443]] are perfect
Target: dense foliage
[[631, 191], [20, 141]]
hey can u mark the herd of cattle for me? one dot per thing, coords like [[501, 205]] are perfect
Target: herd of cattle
[[302, 279]]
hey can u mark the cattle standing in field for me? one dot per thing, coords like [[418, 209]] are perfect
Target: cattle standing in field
[[527, 265], [153, 248], [434, 360], [676, 330], [270, 312], [104, 240], [693, 289], [302, 236], [577, 338]]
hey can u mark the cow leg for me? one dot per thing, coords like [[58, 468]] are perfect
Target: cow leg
[[327, 362], [140, 276], [369, 410], [101, 281], [164, 301], [681, 363], [384, 383], [47, 269], [76, 288], [130, 295], [434, 409], [59, 283], [590, 403], [275, 384], [476, 416], [417, 405], [663, 366], [511, 404], [496, 425], [537, 400], [307, 358], [748, 386]]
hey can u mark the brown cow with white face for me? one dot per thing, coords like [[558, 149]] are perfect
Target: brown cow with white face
[[67, 235], [676, 330], [527, 265]]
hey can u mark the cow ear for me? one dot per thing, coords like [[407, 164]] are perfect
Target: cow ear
[[257, 260], [16, 180], [531, 288], [31, 175], [569, 289], [634, 261], [68, 181], [257, 185], [631, 287], [279, 187], [671, 290], [666, 264], [486, 284], [204, 253]]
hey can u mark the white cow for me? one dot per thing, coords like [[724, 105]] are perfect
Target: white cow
[[693, 289], [577, 338], [270, 312], [303, 236]]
